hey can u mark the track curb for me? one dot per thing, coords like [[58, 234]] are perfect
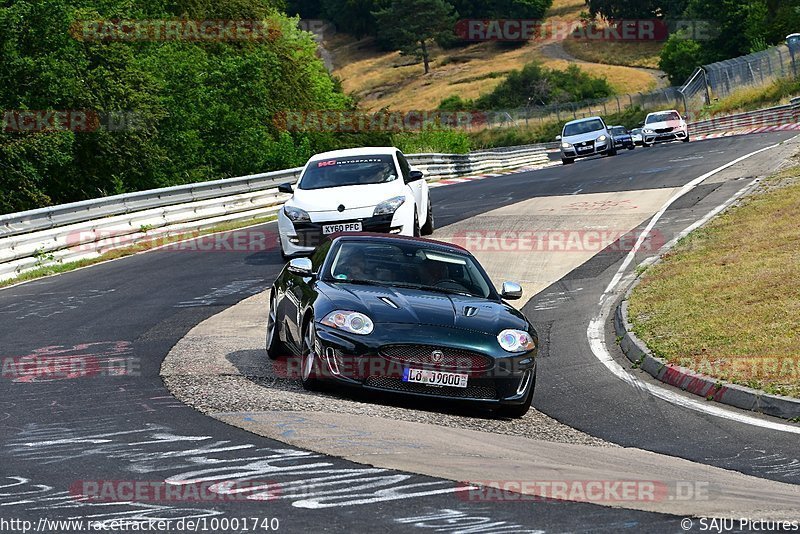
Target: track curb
[[686, 379]]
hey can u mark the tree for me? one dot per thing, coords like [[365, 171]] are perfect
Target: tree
[[680, 57], [410, 25], [640, 9], [502, 9]]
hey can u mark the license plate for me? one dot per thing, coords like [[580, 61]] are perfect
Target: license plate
[[584, 149], [343, 227], [434, 378]]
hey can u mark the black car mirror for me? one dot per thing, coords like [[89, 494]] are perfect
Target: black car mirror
[[511, 291], [415, 175], [301, 267], [285, 188]]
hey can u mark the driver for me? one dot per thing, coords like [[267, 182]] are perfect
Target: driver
[[432, 272], [352, 264]]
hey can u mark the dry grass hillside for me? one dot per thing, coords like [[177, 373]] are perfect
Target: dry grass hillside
[[381, 79]]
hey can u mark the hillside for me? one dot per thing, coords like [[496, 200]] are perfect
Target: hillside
[[381, 79]]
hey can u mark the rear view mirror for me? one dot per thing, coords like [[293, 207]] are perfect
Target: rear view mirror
[[301, 267], [559, 138], [511, 291], [285, 188]]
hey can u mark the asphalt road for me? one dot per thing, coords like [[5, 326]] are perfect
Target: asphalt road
[[120, 423]]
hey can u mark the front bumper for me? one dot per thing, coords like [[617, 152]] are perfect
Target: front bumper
[[586, 149], [662, 137], [303, 238], [495, 377]]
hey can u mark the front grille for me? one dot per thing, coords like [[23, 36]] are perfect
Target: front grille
[[585, 143], [469, 392], [423, 355], [310, 234], [663, 130]]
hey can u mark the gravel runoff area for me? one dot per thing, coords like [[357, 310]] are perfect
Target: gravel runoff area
[[218, 369]]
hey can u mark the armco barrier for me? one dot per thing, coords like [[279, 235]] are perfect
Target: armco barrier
[[775, 116], [86, 229]]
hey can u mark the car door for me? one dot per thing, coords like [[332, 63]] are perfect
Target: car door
[[417, 186]]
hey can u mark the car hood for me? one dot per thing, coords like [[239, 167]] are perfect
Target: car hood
[[416, 306], [351, 196], [582, 138], [664, 124]]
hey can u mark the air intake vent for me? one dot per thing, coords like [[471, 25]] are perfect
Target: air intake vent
[[470, 311], [388, 301]]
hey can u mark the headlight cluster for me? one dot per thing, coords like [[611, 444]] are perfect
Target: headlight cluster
[[349, 321], [387, 207], [296, 214], [602, 138], [515, 341], [566, 145], [648, 131]]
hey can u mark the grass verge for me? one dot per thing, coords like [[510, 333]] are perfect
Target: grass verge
[[142, 246], [626, 54], [752, 98], [726, 302]]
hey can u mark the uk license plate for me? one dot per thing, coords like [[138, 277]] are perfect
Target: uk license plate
[[434, 378], [341, 227]]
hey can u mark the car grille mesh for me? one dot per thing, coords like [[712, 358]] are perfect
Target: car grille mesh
[[469, 392], [423, 355], [663, 130]]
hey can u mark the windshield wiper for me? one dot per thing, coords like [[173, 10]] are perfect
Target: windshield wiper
[[431, 288]]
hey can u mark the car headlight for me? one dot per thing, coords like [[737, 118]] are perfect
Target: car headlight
[[648, 131], [387, 207], [566, 145], [602, 138], [516, 341], [349, 321], [296, 214]]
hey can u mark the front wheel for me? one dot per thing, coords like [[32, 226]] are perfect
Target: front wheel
[[567, 161], [275, 346], [310, 359], [416, 223], [686, 139], [612, 151], [428, 227]]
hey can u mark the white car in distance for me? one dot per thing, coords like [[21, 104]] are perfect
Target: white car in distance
[[371, 189], [663, 126]]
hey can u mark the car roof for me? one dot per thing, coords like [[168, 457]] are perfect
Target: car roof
[[583, 120], [393, 238], [362, 151], [664, 111]]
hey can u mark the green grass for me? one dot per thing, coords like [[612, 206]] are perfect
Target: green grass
[[752, 98], [726, 301], [50, 269]]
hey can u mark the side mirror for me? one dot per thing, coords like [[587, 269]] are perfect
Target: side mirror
[[301, 267], [285, 188], [641, 125], [415, 175], [559, 138], [511, 291]]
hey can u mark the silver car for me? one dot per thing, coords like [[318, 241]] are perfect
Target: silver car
[[585, 137]]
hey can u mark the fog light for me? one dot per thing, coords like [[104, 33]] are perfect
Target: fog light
[[395, 229]]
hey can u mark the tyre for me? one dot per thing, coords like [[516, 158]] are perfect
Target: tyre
[[274, 345], [686, 140], [428, 227], [631, 147], [515, 412], [309, 373], [612, 151], [567, 161], [416, 223]]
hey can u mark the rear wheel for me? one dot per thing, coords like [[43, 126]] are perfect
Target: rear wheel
[[310, 359], [428, 227], [275, 347]]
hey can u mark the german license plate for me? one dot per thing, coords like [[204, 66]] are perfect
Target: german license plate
[[434, 378], [341, 227], [584, 149]]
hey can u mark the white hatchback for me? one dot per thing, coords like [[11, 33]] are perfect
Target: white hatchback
[[354, 190]]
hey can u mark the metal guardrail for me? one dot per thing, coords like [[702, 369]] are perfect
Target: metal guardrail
[[86, 229], [774, 116]]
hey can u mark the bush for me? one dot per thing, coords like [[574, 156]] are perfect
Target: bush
[[679, 58], [444, 140]]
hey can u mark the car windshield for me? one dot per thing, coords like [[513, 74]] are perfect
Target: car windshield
[[619, 131], [338, 172], [583, 127], [408, 265], [663, 117]]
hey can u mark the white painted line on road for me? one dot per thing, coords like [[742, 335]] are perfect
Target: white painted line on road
[[596, 333]]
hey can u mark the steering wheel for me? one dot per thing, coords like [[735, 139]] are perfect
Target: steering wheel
[[450, 282]]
